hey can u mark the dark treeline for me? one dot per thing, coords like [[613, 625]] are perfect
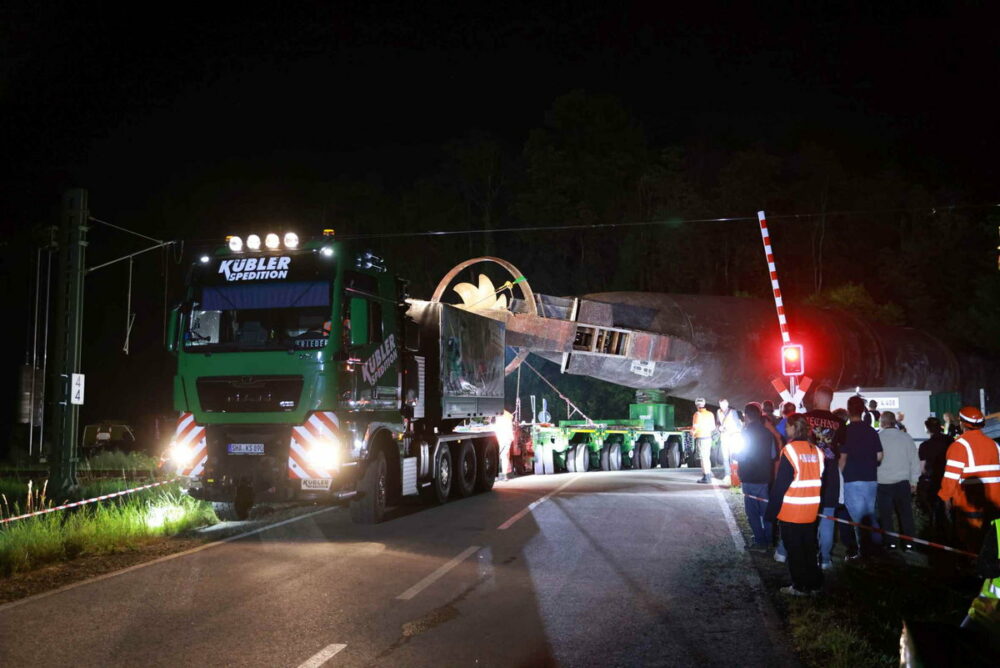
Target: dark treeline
[[874, 239]]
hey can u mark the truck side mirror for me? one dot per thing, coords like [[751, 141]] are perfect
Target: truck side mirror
[[359, 321], [411, 336], [173, 325]]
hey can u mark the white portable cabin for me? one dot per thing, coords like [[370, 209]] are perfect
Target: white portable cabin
[[914, 404]]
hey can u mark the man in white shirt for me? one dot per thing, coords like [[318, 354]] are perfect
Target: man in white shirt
[[898, 474]]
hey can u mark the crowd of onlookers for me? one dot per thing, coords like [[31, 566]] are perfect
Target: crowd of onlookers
[[854, 463]]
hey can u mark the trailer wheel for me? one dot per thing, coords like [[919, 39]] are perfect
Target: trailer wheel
[[368, 507], [437, 492], [571, 459], [615, 457], [464, 458], [670, 455], [581, 457], [489, 464], [643, 455], [605, 457]]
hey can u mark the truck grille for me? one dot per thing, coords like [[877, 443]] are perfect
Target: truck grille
[[249, 394]]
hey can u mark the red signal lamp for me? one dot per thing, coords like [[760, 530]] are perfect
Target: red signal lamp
[[792, 362]]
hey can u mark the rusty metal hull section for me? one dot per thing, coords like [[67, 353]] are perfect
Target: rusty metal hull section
[[730, 346]]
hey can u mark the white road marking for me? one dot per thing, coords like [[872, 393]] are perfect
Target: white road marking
[[207, 546], [767, 612], [534, 504], [322, 656], [438, 574]]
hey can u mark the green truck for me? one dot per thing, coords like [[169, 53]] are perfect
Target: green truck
[[646, 439], [304, 371]]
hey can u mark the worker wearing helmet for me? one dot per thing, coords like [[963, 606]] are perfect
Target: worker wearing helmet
[[703, 426], [970, 487]]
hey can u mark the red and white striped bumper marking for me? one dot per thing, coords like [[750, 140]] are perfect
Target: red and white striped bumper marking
[[319, 427], [189, 433]]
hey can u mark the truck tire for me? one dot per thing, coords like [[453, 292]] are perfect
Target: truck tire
[[571, 459], [643, 455], [548, 459], [615, 457], [437, 492], [488, 465], [581, 457], [463, 455], [368, 507], [225, 510], [605, 457]]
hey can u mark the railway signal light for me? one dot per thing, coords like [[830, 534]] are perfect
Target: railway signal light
[[792, 361]]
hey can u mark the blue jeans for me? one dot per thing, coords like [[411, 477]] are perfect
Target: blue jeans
[[762, 530], [859, 497], [826, 535]]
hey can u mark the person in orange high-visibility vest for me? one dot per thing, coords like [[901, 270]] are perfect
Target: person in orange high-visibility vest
[[970, 487], [703, 426], [794, 503]]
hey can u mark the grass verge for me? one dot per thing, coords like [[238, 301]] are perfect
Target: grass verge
[[858, 619], [100, 528]]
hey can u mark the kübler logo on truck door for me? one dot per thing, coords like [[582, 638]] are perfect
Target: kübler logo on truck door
[[255, 268], [380, 361]]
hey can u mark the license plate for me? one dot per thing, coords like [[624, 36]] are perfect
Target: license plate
[[246, 448], [316, 483]]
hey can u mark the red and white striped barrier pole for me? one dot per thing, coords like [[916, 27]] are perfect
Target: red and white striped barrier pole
[[103, 497], [773, 272], [911, 539]]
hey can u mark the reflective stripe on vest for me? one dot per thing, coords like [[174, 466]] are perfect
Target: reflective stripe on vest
[[801, 501]]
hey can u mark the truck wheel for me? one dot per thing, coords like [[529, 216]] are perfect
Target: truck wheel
[[581, 457], [464, 458], [615, 457], [368, 507], [489, 465], [225, 510], [643, 456], [571, 460], [437, 492]]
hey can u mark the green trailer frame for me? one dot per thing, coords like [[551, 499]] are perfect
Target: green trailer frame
[[608, 445]]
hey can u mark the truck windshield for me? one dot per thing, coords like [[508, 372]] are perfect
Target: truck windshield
[[260, 316]]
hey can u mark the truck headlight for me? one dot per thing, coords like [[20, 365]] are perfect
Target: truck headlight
[[291, 240], [253, 242], [181, 454], [235, 244], [271, 241], [325, 454]]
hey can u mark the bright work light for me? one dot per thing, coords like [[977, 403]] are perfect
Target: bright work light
[[235, 244], [253, 242], [291, 240], [205, 258], [327, 251], [272, 241]]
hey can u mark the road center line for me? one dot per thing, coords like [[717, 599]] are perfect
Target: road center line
[[322, 656], [534, 504], [438, 574]]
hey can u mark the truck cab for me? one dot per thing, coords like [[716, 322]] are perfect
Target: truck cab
[[302, 374]]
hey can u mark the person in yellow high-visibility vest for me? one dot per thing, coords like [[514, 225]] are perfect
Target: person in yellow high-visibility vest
[[703, 426], [984, 614]]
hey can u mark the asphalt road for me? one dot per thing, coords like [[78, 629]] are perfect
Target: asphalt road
[[597, 569]]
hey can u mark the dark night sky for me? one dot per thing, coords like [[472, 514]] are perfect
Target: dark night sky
[[175, 118]]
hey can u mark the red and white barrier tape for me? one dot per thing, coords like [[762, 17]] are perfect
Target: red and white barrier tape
[[911, 539], [779, 304], [103, 497]]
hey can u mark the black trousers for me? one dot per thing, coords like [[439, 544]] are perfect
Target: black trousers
[[803, 549], [892, 500]]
